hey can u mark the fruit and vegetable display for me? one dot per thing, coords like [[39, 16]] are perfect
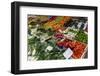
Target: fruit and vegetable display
[[57, 37]]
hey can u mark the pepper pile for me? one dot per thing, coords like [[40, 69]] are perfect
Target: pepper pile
[[57, 23]]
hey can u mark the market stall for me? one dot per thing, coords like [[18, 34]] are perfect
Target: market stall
[[57, 37]]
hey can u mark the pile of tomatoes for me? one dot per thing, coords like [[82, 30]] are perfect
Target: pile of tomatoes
[[76, 46]]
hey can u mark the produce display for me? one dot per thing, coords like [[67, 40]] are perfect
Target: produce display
[[57, 37]]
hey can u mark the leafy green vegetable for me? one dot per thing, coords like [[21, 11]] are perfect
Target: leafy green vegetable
[[81, 36]]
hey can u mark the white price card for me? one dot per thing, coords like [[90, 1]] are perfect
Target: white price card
[[67, 54]]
